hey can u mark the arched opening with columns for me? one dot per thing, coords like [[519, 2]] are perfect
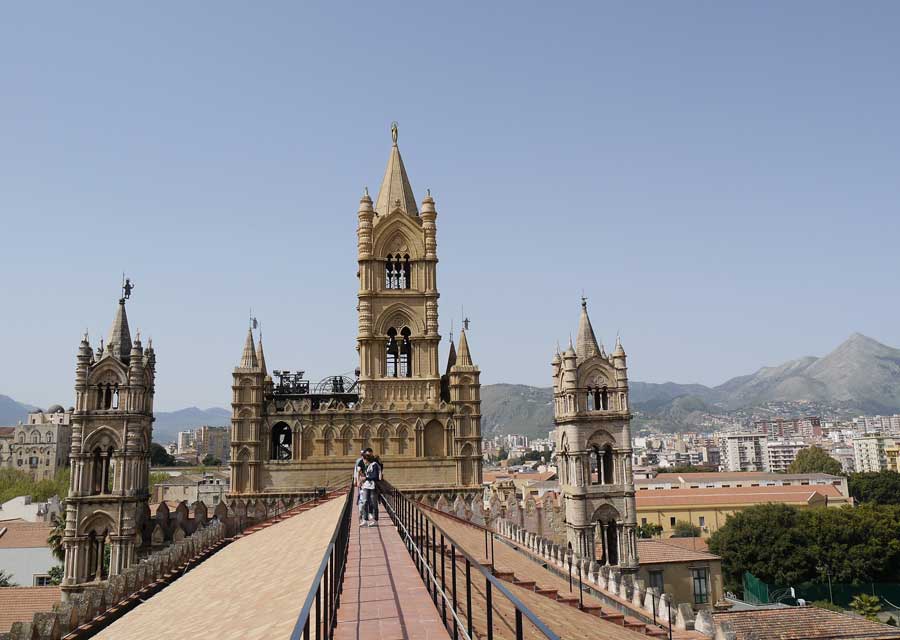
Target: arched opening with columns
[[607, 532], [281, 442], [97, 530]]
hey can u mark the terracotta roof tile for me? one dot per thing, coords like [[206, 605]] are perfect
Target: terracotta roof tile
[[654, 551], [735, 495], [803, 623], [6, 432], [19, 604], [694, 544], [18, 534]]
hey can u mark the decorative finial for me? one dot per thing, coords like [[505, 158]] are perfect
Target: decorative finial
[[84, 338], [583, 301], [394, 132], [428, 192], [137, 335], [366, 191], [466, 323]]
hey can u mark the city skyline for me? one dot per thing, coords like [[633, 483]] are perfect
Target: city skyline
[[739, 213]]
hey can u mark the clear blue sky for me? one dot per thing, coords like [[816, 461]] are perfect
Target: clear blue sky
[[721, 180]]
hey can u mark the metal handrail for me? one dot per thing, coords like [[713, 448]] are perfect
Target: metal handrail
[[407, 512], [331, 576], [442, 590]]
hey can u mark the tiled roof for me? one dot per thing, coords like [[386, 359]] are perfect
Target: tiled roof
[[694, 544], [6, 432], [734, 495], [19, 604], [720, 476], [656, 551], [803, 623], [18, 534]]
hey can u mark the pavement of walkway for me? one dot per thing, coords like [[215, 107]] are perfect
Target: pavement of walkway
[[383, 595], [252, 589]]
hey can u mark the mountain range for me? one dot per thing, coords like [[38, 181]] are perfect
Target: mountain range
[[861, 376]]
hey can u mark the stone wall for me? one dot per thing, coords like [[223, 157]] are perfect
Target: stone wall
[[98, 597]]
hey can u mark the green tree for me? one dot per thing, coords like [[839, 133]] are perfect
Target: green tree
[[815, 460], [882, 487], [766, 541], [6, 579], [57, 532], [14, 483], [159, 457], [784, 545], [56, 574], [687, 468], [685, 529], [866, 605], [210, 461], [649, 530]]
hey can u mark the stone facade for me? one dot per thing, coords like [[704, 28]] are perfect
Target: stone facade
[[110, 456], [593, 441], [288, 437], [40, 447]]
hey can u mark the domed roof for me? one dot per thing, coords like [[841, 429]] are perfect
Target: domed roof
[[56, 409]]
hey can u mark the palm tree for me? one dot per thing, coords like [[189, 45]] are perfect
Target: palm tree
[[6, 579], [866, 605], [55, 539]]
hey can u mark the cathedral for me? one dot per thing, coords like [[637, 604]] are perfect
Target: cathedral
[[593, 441], [290, 436]]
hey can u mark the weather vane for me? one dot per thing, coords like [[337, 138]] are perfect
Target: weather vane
[[127, 287]]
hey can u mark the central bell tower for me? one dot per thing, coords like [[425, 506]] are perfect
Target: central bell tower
[[398, 297]]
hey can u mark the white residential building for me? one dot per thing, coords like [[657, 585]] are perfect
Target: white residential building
[[743, 452], [868, 452], [781, 453]]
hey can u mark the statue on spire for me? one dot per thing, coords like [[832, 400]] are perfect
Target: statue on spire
[[127, 287], [394, 131]]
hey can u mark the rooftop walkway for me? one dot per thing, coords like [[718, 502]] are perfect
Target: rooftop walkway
[[540, 589], [254, 588], [383, 595]]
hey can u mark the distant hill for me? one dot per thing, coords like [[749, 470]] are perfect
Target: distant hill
[[861, 375], [861, 371], [13, 412], [169, 423]]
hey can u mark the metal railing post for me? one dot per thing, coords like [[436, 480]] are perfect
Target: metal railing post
[[443, 582], [490, 610], [469, 597], [453, 574]]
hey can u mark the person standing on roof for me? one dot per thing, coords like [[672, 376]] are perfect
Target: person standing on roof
[[370, 487], [359, 477]]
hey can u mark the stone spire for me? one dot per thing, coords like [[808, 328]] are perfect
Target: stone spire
[[463, 357], [248, 358], [395, 191], [620, 351], [261, 356], [451, 358], [586, 347], [118, 344]]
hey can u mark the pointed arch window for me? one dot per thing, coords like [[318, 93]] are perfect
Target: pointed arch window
[[598, 398], [397, 271], [398, 353]]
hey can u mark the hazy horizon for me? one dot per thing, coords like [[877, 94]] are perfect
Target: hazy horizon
[[719, 180]]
